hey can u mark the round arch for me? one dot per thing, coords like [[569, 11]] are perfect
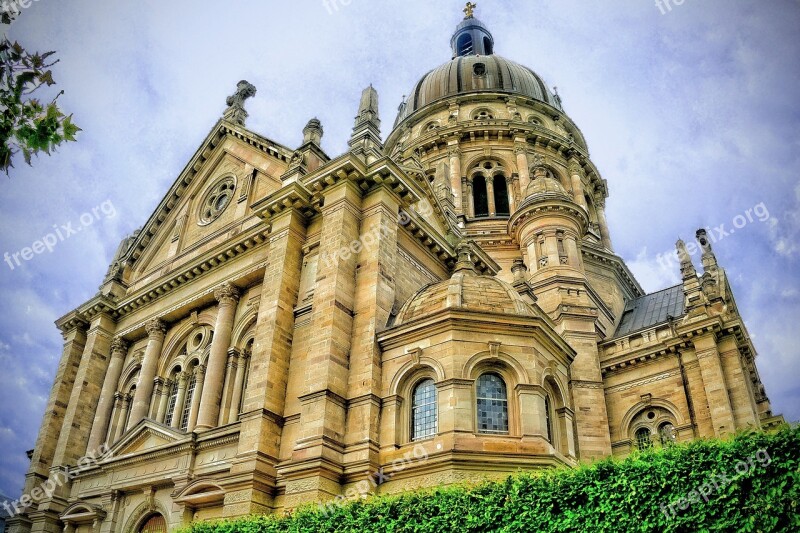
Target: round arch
[[142, 512], [485, 361], [625, 425]]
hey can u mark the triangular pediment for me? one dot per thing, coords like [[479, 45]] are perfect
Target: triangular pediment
[[177, 227], [146, 435]]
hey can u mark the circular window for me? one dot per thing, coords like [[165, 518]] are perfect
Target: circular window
[[216, 200], [479, 69], [651, 415]]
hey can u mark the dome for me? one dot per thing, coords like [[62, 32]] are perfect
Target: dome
[[465, 290], [475, 68], [546, 186]]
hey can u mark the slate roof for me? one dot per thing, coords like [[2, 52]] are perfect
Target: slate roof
[[651, 309]]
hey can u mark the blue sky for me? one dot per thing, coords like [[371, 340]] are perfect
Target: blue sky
[[691, 116]]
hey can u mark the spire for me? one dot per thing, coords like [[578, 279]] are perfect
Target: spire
[[709, 259], [471, 37], [236, 112], [687, 267], [365, 141]]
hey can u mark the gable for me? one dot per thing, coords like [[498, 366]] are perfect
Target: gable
[[183, 226], [146, 435]]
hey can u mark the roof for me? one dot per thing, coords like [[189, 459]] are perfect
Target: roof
[[465, 290], [651, 309]]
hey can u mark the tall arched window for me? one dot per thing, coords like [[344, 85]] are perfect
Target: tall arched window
[[465, 45], [501, 196], [423, 410], [480, 195], [548, 418], [643, 441], [187, 403], [173, 398], [129, 407], [492, 404], [487, 46]]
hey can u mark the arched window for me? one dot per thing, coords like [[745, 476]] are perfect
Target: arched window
[[423, 410], [187, 403], [154, 524], [666, 433], [643, 441], [129, 401], [487, 46], [501, 196], [464, 45], [173, 398], [480, 196], [548, 418], [492, 404]]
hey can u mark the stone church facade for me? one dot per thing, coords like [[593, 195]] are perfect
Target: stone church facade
[[439, 306]]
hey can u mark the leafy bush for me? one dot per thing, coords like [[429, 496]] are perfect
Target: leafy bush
[[748, 483]]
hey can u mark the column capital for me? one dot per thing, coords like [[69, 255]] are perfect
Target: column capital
[[155, 328], [200, 370], [226, 294], [119, 347], [520, 148], [575, 166], [454, 151]]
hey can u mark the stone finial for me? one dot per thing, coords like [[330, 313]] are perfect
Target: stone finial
[[236, 112], [365, 141], [687, 267], [464, 262], [519, 269], [709, 259], [313, 132]]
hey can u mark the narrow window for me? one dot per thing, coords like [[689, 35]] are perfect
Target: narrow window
[[492, 404], [173, 397], [643, 441], [501, 196], [480, 196], [423, 410], [487, 46], [187, 403], [548, 419], [465, 45]]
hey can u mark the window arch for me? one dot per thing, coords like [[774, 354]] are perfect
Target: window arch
[[154, 524], [492, 404], [424, 410], [643, 441]]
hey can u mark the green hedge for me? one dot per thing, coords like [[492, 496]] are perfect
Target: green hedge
[[748, 483]]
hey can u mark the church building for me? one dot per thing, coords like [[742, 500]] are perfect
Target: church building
[[437, 306]]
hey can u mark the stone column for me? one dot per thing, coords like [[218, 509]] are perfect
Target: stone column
[[490, 196], [73, 437], [115, 417], [600, 206], [551, 245], [373, 300], [238, 384], [470, 199], [512, 196], [119, 350], [156, 330], [522, 165], [532, 410], [73, 331], [574, 255], [228, 296], [124, 407], [162, 387], [719, 402], [576, 176], [227, 387], [566, 432], [455, 175], [200, 376], [177, 409]]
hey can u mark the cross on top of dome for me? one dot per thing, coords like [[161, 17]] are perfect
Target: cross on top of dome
[[469, 10]]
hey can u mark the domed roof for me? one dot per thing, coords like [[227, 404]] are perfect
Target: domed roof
[[475, 68], [546, 186], [465, 290]]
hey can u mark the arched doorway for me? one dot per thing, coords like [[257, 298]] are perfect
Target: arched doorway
[[154, 524]]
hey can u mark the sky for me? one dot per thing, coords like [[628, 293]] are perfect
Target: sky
[[690, 112]]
